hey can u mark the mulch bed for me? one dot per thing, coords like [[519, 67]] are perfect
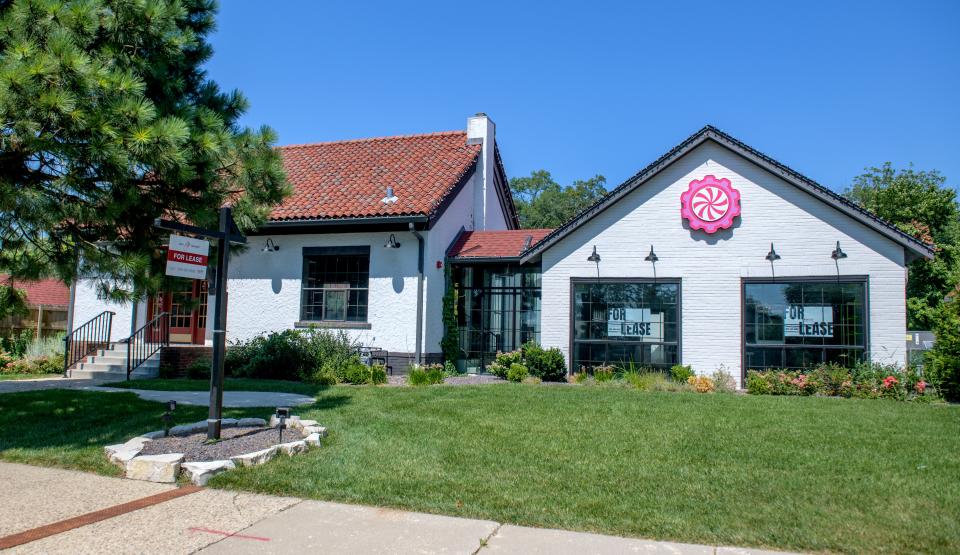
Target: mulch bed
[[233, 442]]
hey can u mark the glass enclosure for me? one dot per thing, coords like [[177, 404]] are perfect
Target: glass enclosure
[[498, 309], [623, 322], [798, 324]]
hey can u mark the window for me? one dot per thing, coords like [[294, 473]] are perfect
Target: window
[[335, 284], [617, 323], [498, 309], [802, 323]]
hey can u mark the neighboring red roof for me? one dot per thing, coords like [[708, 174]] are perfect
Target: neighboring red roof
[[46, 292], [348, 179], [495, 244]]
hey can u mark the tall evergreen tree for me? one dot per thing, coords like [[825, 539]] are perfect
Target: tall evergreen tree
[[108, 121]]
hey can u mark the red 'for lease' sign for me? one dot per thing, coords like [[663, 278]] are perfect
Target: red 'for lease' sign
[[187, 257]]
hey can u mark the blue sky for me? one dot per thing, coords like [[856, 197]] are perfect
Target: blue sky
[[581, 88]]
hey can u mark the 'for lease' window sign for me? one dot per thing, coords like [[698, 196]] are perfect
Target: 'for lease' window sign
[[808, 321], [635, 322]]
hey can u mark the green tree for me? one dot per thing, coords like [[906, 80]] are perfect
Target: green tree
[[543, 203], [108, 121], [943, 360], [919, 203]]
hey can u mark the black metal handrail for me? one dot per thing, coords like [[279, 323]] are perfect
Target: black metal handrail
[[87, 339], [150, 338]]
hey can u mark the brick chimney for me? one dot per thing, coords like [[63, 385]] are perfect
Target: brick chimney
[[482, 131]]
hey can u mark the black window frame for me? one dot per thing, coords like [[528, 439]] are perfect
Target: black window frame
[[574, 281], [859, 279], [351, 251]]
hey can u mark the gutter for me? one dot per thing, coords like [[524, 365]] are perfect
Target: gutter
[[420, 253], [336, 222]]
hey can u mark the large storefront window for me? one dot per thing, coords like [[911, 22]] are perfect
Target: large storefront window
[[498, 309], [617, 323], [798, 324]]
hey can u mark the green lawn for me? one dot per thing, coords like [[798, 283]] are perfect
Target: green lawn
[[68, 428], [807, 474], [230, 384]]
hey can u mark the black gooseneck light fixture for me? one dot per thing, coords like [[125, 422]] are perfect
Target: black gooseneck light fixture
[[392, 242], [595, 258], [652, 259], [836, 255], [270, 246], [772, 256]]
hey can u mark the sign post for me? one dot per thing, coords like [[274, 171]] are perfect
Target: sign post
[[186, 257]]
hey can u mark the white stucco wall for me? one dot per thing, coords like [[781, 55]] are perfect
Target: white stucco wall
[[264, 288], [87, 305], [804, 229]]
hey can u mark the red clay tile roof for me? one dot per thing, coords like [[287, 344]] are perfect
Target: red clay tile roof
[[48, 292], [495, 244], [348, 179]]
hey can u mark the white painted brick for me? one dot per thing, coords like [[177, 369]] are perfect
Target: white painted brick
[[804, 229]]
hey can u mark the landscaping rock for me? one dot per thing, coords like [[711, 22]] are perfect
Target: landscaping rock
[[292, 422], [155, 468], [228, 423], [201, 472], [292, 448], [313, 440], [121, 453], [305, 423], [154, 435], [189, 429], [250, 422], [315, 430], [255, 458]]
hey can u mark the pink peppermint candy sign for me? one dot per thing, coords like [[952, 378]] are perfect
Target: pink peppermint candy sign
[[710, 204]]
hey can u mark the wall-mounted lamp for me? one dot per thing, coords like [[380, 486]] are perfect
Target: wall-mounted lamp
[[270, 246], [652, 257], [392, 242], [772, 256], [595, 258], [838, 253]]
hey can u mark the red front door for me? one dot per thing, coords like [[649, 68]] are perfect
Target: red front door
[[187, 305]]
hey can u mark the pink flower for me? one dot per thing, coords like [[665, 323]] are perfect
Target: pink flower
[[921, 386], [889, 382]]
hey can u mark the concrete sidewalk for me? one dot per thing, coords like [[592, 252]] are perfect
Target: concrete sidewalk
[[218, 521]]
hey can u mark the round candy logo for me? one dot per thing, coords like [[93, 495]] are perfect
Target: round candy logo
[[710, 204]]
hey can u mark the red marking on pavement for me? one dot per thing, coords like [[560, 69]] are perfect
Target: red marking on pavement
[[229, 535], [35, 534]]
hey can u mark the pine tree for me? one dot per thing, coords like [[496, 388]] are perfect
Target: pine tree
[[108, 121]]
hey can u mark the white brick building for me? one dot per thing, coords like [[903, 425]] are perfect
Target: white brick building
[[766, 269]]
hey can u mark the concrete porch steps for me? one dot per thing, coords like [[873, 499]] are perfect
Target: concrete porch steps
[[111, 364]]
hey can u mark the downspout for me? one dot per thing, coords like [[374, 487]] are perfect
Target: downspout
[[420, 249]]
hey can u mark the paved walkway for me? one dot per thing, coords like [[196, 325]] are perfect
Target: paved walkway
[[16, 386], [218, 521], [230, 398]]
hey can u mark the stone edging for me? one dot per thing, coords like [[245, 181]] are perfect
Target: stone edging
[[165, 468]]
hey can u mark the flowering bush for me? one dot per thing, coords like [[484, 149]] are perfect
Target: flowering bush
[[701, 384], [865, 381]]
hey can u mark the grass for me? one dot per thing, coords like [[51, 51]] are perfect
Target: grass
[[69, 428], [810, 474], [7, 377], [230, 384]]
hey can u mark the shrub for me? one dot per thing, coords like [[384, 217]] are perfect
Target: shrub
[[503, 361], [723, 380], [603, 374], [546, 364], [579, 377], [681, 373], [517, 372], [701, 384], [758, 383], [865, 381], [307, 355], [200, 369], [943, 360], [38, 365], [16, 344], [42, 347], [426, 375], [647, 381], [532, 380]]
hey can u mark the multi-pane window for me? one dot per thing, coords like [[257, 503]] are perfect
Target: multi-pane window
[[335, 284], [624, 322], [798, 324], [498, 309]]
